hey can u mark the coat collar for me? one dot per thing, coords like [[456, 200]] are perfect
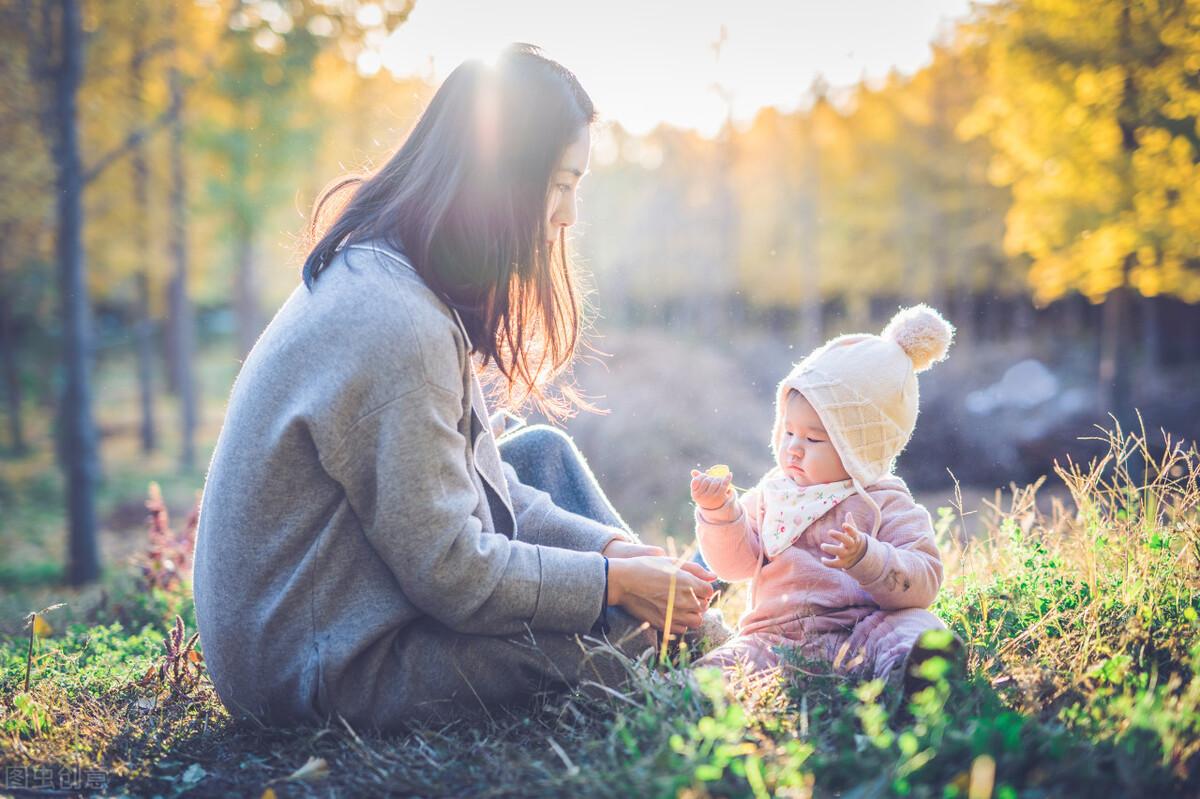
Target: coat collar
[[485, 454]]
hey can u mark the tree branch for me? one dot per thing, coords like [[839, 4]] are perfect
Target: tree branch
[[142, 56], [135, 137], [163, 45]]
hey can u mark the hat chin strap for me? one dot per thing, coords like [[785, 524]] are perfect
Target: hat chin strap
[[862, 492], [854, 470]]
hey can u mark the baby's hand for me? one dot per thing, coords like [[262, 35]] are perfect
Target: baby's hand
[[851, 546], [711, 492]]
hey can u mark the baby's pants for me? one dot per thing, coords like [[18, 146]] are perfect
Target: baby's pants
[[875, 647]]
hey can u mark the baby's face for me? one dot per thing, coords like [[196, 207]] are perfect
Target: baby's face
[[806, 454]]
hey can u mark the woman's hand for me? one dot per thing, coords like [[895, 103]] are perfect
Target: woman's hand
[[620, 548], [642, 585]]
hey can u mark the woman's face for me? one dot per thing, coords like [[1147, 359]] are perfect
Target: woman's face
[[561, 209]]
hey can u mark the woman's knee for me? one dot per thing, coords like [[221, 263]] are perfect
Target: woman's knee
[[544, 438], [537, 443]]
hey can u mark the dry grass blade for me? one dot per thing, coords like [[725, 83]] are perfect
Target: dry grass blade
[[572, 769], [679, 559], [315, 769], [610, 691]]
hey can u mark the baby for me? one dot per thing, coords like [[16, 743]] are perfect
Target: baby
[[842, 559]]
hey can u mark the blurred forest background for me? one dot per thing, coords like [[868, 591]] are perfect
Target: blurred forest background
[[1038, 180]]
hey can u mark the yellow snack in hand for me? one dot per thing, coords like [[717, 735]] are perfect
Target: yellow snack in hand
[[720, 470]]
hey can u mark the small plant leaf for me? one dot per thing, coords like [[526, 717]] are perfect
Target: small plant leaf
[[41, 627]]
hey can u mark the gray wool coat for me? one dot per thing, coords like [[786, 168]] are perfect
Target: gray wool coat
[[347, 506]]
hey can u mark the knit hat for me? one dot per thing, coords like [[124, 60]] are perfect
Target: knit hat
[[864, 389]]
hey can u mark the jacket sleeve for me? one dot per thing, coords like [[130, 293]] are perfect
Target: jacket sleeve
[[728, 536], [404, 473], [902, 567], [540, 521]]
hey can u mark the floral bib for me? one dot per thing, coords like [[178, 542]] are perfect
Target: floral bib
[[789, 509]]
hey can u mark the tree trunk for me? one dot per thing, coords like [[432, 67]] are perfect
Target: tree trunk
[[910, 269], [145, 325], [728, 224], [12, 377], [1114, 359], [810, 252], [145, 364], [938, 221], [245, 289], [170, 345], [1021, 326], [1115, 379], [964, 314], [181, 321], [245, 294], [1191, 350], [1077, 311], [857, 311], [77, 433], [1151, 350]]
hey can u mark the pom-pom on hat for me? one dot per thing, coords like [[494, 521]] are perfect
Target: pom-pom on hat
[[864, 389]]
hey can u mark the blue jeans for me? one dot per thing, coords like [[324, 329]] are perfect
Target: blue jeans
[[547, 459]]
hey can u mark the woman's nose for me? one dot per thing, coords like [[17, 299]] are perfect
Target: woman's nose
[[564, 215]]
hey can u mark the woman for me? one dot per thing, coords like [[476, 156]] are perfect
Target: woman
[[364, 548]]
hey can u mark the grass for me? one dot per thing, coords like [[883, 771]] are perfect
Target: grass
[[1078, 599], [1082, 678]]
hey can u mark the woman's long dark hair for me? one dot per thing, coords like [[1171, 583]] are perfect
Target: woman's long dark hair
[[465, 198]]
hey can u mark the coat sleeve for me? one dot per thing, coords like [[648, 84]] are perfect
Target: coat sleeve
[[404, 473], [902, 567], [540, 521], [728, 536]]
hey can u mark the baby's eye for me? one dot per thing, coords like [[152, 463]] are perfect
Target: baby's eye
[[812, 440]]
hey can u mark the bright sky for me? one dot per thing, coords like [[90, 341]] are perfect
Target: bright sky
[[651, 61]]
